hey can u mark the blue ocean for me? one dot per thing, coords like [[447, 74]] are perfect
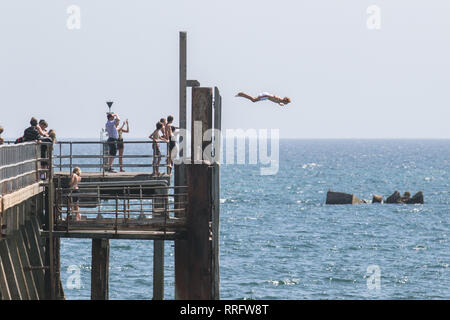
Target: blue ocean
[[278, 239]]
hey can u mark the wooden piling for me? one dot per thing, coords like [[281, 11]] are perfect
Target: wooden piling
[[201, 121], [180, 250], [158, 270], [9, 270], [159, 206], [4, 288], [100, 269], [199, 280], [30, 232]]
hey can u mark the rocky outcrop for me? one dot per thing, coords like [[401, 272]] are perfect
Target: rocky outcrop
[[406, 198], [377, 198], [342, 198], [394, 198], [416, 199]]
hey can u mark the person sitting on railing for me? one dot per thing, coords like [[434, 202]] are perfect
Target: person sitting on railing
[[155, 136], [73, 185], [113, 136], [120, 144]]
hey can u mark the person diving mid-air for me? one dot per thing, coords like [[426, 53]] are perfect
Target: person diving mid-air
[[265, 96]]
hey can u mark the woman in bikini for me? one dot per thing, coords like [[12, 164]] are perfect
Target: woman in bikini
[[172, 143], [265, 96]]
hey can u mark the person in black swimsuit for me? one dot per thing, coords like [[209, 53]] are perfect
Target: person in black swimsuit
[[169, 133]]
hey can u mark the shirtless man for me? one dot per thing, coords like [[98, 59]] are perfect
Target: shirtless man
[[265, 96], [155, 136]]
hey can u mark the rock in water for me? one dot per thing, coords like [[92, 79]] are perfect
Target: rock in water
[[406, 197], [341, 198], [394, 198], [417, 198], [377, 198]]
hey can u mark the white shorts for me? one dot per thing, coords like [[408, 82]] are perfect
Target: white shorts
[[263, 96]]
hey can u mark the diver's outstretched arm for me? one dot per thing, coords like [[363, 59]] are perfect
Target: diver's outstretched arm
[[249, 97]]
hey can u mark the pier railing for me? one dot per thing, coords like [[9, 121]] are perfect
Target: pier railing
[[22, 165], [94, 155], [125, 206]]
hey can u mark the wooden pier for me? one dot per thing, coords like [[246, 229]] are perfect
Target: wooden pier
[[134, 205]]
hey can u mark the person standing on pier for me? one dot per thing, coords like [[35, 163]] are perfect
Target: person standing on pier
[[120, 144], [172, 143], [113, 137], [155, 136], [73, 185]]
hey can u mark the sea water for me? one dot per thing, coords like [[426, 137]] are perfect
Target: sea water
[[278, 239]]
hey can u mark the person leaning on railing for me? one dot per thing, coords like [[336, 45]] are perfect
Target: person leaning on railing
[[32, 132]]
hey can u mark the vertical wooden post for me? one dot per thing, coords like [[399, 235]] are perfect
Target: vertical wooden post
[[12, 251], [215, 190], [199, 244], [180, 250], [183, 72], [159, 203], [51, 251], [197, 261], [100, 269], [201, 121]]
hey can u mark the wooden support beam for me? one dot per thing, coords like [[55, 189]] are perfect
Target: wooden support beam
[[180, 251], [100, 269], [183, 72], [29, 277], [192, 83], [201, 121], [160, 203], [215, 234], [5, 294], [158, 270], [18, 267], [10, 272], [199, 243], [34, 256], [19, 196]]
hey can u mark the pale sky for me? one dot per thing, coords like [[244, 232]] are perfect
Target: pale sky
[[345, 80]]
